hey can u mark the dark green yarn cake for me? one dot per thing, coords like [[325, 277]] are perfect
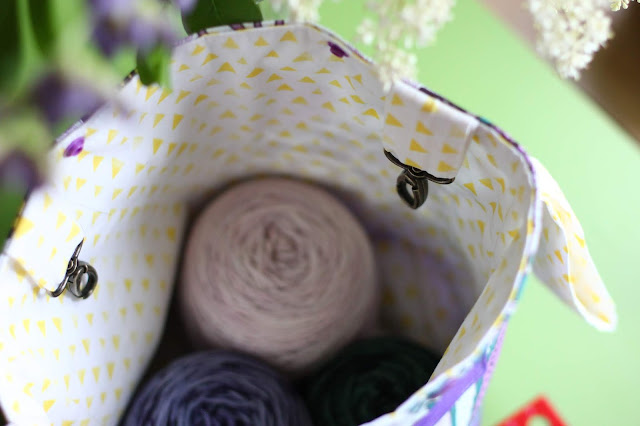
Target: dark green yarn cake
[[367, 379]]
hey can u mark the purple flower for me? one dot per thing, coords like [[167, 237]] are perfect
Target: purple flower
[[185, 5], [143, 34], [116, 24], [103, 8], [59, 98], [18, 170], [109, 36]]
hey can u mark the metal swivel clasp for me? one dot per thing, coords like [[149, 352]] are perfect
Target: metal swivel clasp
[[81, 278], [415, 179]]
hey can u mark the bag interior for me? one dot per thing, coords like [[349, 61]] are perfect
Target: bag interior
[[236, 111]]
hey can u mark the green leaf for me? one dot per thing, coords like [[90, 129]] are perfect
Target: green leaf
[[11, 200], [9, 45], [21, 55], [41, 15], [212, 13], [153, 67]]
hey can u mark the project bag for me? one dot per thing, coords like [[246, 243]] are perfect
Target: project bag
[[292, 100]]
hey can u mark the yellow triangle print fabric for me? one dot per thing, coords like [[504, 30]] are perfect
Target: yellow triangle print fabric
[[563, 261], [290, 100], [426, 132], [36, 258]]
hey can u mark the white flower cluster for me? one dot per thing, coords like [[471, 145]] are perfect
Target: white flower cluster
[[618, 4], [396, 27], [297, 10], [570, 32]]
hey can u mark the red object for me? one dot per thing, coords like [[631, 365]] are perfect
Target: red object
[[538, 408]]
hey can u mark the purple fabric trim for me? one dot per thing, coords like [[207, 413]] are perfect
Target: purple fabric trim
[[257, 24], [74, 148], [237, 27], [337, 50], [451, 392], [491, 365], [279, 22]]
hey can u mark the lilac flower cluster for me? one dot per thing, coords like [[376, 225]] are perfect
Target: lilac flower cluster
[[138, 24], [58, 98], [18, 170], [119, 23]]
